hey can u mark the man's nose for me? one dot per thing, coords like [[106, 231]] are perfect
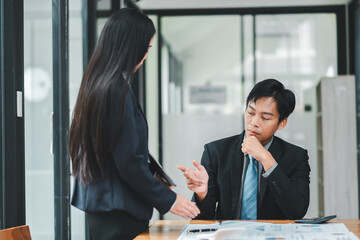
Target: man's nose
[[255, 121]]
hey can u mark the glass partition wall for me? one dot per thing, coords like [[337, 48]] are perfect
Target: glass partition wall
[[208, 65], [38, 101], [298, 49], [197, 80], [200, 86], [75, 76]]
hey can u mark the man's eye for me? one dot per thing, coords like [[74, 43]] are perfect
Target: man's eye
[[251, 113], [265, 118]]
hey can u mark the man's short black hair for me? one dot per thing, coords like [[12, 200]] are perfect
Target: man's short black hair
[[284, 98]]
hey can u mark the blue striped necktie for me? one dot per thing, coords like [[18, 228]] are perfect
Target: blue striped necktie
[[249, 201]]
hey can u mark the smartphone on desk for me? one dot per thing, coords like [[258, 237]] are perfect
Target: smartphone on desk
[[315, 220]]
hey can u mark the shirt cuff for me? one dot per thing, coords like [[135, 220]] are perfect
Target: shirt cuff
[[268, 172]]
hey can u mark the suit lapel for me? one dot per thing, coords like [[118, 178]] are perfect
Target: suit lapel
[[237, 160], [262, 189], [275, 152]]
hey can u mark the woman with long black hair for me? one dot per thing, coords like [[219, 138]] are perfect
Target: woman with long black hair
[[108, 137]]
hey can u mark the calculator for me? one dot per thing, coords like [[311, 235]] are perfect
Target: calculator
[[315, 220]]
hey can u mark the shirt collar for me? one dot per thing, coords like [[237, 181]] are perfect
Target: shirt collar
[[267, 146]]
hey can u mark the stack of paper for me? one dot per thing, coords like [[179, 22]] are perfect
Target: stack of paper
[[238, 230]]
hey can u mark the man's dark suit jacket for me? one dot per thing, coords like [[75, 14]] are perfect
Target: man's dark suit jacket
[[128, 184], [284, 194]]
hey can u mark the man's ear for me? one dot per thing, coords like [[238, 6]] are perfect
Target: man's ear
[[282, 124]]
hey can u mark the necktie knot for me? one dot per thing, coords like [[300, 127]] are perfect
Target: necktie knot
[[251, 159], [253, 164]]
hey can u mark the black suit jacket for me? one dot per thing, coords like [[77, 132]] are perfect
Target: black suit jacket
[[284, 194], [128, 184]]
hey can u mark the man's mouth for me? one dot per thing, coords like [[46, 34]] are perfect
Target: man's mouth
[[252, 133]]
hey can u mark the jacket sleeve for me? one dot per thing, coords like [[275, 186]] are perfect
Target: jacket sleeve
[[130, 155], [291, 192], [208, 206]]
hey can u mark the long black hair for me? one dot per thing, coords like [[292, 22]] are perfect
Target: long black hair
[[122, 45]]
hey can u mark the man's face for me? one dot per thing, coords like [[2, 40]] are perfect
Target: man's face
[[262, 119]]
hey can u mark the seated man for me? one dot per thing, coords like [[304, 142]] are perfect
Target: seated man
[[254, 175]]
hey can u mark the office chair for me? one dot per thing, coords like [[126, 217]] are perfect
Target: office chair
[[16, 233]]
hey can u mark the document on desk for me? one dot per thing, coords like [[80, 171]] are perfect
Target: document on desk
[[266, 231]]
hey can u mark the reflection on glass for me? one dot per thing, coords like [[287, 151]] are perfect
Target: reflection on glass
[[99, 26], [75, 75], [38, 98], [38, 102], [208, 67], [200, 87], [200, 52], [104, 4], [298, 49]]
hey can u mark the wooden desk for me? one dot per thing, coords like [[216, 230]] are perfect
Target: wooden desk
[[170, 229]]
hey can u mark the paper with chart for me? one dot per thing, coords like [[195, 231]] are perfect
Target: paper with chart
[[268, 231]]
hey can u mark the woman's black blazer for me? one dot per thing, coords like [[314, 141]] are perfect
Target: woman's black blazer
[[128, 184]]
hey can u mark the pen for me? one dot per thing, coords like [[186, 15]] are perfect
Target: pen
[[202, 230]]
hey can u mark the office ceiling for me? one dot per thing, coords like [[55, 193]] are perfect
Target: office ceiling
[[187, 32], [199, 4]]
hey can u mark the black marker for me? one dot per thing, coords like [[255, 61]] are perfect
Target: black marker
[[202, 230]]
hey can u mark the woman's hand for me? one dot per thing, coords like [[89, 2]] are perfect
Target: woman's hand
[[184, 208]]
